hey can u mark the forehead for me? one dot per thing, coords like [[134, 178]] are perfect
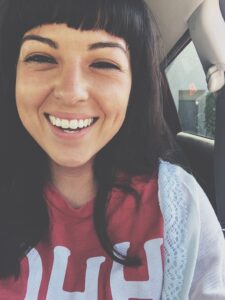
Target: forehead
[[62, 33]]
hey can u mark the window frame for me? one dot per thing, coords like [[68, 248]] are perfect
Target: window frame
[[169, 107], [176, 50]]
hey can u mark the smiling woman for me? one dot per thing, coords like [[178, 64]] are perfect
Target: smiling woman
[[91, 191]]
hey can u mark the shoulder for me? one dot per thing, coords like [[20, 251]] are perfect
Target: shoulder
[[181, 189], [176, 184], [178, 188], [175, 176]]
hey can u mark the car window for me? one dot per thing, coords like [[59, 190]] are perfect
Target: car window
[[194, 103]]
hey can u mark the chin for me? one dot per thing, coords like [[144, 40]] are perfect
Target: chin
[[72, 163]]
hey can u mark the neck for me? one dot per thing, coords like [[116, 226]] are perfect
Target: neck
[[77, 185]]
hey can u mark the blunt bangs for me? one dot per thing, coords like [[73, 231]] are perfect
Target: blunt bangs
[[122, 18]]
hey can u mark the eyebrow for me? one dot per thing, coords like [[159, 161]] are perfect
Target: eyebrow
[[33, 37], [106, 45], [53, 44]]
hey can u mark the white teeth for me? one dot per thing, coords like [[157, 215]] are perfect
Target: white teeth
[[65, 124], [70, 124], [52, 119], [57, 122], [85, 123], [81, 123], [73, 124]]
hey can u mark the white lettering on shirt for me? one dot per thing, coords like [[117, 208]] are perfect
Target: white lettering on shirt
[[121, 289], [55, 288], [35, 274], [150, 289]]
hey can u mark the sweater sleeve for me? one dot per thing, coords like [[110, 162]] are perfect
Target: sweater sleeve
[[194, 243], [209, 275]]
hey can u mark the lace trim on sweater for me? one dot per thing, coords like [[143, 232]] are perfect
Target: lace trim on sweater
[[175, 211]]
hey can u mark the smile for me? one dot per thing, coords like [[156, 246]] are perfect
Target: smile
[[70, 125]]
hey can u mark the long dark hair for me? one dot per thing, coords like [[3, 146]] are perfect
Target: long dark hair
[[135, 150]]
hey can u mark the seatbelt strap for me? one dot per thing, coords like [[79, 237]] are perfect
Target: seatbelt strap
[[216, 80], [219, 162]]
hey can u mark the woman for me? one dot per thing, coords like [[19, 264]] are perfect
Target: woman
[[90, 209]]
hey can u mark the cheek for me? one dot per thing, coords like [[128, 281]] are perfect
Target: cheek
[[30, 92], [113, 98], [117, 106]]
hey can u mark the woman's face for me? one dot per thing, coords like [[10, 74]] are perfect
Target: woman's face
[[72, 90]]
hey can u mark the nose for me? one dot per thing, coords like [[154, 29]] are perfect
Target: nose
[[71, 85]]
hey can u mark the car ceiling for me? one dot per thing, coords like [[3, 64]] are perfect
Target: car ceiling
[[172, 17]]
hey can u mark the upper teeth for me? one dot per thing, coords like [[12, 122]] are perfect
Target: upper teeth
[[71, 124]]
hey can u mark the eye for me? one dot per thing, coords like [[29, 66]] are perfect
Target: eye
[[39, 58], [105, 65]]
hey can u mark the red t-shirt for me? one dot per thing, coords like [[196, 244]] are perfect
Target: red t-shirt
[[71, 264]]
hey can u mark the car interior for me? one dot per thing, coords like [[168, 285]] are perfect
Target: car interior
[[193, 65]]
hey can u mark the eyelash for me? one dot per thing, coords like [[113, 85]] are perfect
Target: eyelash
[[105, 65], [39, 58]]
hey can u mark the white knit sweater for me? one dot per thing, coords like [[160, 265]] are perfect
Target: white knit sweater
[[194, 243]]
